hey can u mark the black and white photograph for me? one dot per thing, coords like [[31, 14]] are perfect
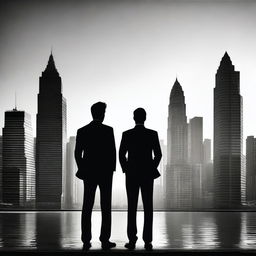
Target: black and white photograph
[[127, 127]]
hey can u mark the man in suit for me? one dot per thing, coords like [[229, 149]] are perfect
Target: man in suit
[[140, 167], [95, 155]]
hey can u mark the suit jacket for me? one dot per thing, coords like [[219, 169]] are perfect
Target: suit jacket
[[140, 143], [95, 151]]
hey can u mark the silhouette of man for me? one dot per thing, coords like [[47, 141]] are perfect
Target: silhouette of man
[[95, 155], [140, 167]]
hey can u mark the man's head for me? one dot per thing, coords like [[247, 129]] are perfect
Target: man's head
[[139, 115], [98, 111]]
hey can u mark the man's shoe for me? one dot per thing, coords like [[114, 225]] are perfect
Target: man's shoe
[[87, 246], [130, 246], [148, 246], [107, 245]]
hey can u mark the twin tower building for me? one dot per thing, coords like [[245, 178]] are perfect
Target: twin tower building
[[40, 178]]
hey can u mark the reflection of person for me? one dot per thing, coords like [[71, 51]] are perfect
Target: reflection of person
[[141, 170], [95, 155]]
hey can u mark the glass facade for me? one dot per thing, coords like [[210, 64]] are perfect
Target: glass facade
[[51, 139], [227, 136], [18, 160]]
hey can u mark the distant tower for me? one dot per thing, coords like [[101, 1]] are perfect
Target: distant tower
[[195, 158], [227, 136], [251, 169], [207, 176], [1, 168], [18, 160], [51, 139], [178, 172], [207, 151], [74, 186], [177, 141], [195, 140]]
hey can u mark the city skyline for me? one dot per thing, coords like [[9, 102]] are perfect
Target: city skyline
[[187, 180], [127, 63], [116, 81]]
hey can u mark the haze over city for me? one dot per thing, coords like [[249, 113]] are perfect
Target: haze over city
[[127, 54]]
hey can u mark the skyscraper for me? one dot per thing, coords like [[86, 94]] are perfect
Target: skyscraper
[[177, 140], [178, 172], [18, 160], [74, 186], [227, 136], [195, 140], [159, 185], [250, 169], [207, 177], [195, 158], [1, 168], [207, 151], [51, 139]]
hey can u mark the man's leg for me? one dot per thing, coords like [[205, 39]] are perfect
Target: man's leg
[[147, 199], [89, 195], [132, 189], [105, 203]]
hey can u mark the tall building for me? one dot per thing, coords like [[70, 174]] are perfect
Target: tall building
[[251, 169], [243, 179], [51, 139], [1, 168], [18, 160], [178, 171], [207, 177], [207, 151], [159, 185], [227, 136], [74, 186], [195, 140], [195, 158]]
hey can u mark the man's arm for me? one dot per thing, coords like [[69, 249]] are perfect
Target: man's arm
[[157, 151], [122, 153], [78, 150]]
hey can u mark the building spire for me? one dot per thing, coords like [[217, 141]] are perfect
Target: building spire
[[15, 102], [51, 68], [226, 63]]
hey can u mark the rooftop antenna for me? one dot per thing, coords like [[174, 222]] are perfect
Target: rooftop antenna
[[15, 108]]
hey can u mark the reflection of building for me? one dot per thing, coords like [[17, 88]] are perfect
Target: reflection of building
[[227, 136], [195, 158], [1, 167], [19, 229], [250, 169], [18, 159], [73, 187], [178, 172], [51, 137]]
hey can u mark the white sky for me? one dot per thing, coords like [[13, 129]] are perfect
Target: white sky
[[127, 53]]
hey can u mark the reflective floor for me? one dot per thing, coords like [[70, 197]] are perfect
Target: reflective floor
[[172, 230]]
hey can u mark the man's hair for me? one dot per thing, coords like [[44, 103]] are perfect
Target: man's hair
[[98, 110], [139, 115]]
